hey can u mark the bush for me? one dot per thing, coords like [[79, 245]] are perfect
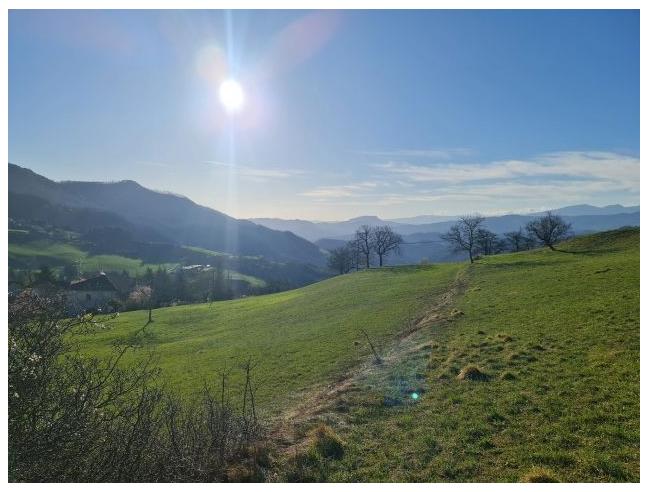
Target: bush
[[74, 418]]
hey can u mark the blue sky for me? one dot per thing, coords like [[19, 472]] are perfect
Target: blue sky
[[390, 113]]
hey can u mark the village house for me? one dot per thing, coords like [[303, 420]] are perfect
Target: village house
[[96, 293]]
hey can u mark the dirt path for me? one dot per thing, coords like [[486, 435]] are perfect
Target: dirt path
[[402, 367]]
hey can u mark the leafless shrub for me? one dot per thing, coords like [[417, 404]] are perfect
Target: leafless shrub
[[75, 418]]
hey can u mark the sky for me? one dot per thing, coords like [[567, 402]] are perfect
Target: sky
[[344, 113]]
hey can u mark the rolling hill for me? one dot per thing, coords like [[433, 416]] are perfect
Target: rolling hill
[[150, 215], [523, 366], [298, 338]]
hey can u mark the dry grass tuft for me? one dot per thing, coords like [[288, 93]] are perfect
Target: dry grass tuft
[[472, 373], [539, 475], [455, 313], [326, 442], [243, 473]]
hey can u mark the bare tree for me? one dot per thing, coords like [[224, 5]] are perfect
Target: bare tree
[[463, 235], [549, 229], [529, 242], [355, 254], [385, 240], [487, 242], [365, 241], [515, 239], [341, 259]]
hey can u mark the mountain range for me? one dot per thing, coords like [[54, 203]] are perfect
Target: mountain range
[[584, 218], [148, 215], [127, 211]]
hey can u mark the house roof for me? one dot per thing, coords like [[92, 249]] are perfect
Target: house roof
[[100, 282]]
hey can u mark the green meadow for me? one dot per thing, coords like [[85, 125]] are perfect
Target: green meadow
[[37, 253], [536, 378], [520, 367], [296, 339]]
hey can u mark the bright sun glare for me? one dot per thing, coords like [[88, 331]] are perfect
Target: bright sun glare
[[231, 95]]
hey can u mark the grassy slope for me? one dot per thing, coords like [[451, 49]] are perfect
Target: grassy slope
[[60, 253], [558, 334], [298, 338]]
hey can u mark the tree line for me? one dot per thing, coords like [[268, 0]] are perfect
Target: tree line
[[468, 235], [156, 287], [369, 243]]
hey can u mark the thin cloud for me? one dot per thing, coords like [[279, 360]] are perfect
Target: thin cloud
[[431, 154], [558, 179], [257, 172], [341, 190], [617, 170]]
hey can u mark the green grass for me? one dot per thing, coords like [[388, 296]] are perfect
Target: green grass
[[297, 338], [253, 281], [557, 336], [58, 253], [207, 252], [36, 253], [211, 252], [548, 343], [45, 250]]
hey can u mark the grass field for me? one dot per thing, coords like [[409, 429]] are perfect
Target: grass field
[[555, 338], [525, 367], [207, 252], [37, 253], [297, 338]]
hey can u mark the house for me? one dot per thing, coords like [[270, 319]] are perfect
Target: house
[[92, 294]]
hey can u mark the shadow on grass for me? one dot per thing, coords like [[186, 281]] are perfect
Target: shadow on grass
[[522, 263], [138, 336], [590, 252]]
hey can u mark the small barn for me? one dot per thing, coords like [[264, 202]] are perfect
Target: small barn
[[89, 294]]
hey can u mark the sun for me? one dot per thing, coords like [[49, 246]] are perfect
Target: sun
[[231, 95]]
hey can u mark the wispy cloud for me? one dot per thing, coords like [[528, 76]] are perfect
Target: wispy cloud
[[346, 190], [554, 179], [257, 172], [615, 170], [430, 154]]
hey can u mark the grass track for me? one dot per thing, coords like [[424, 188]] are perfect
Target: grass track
[[557, 334]]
